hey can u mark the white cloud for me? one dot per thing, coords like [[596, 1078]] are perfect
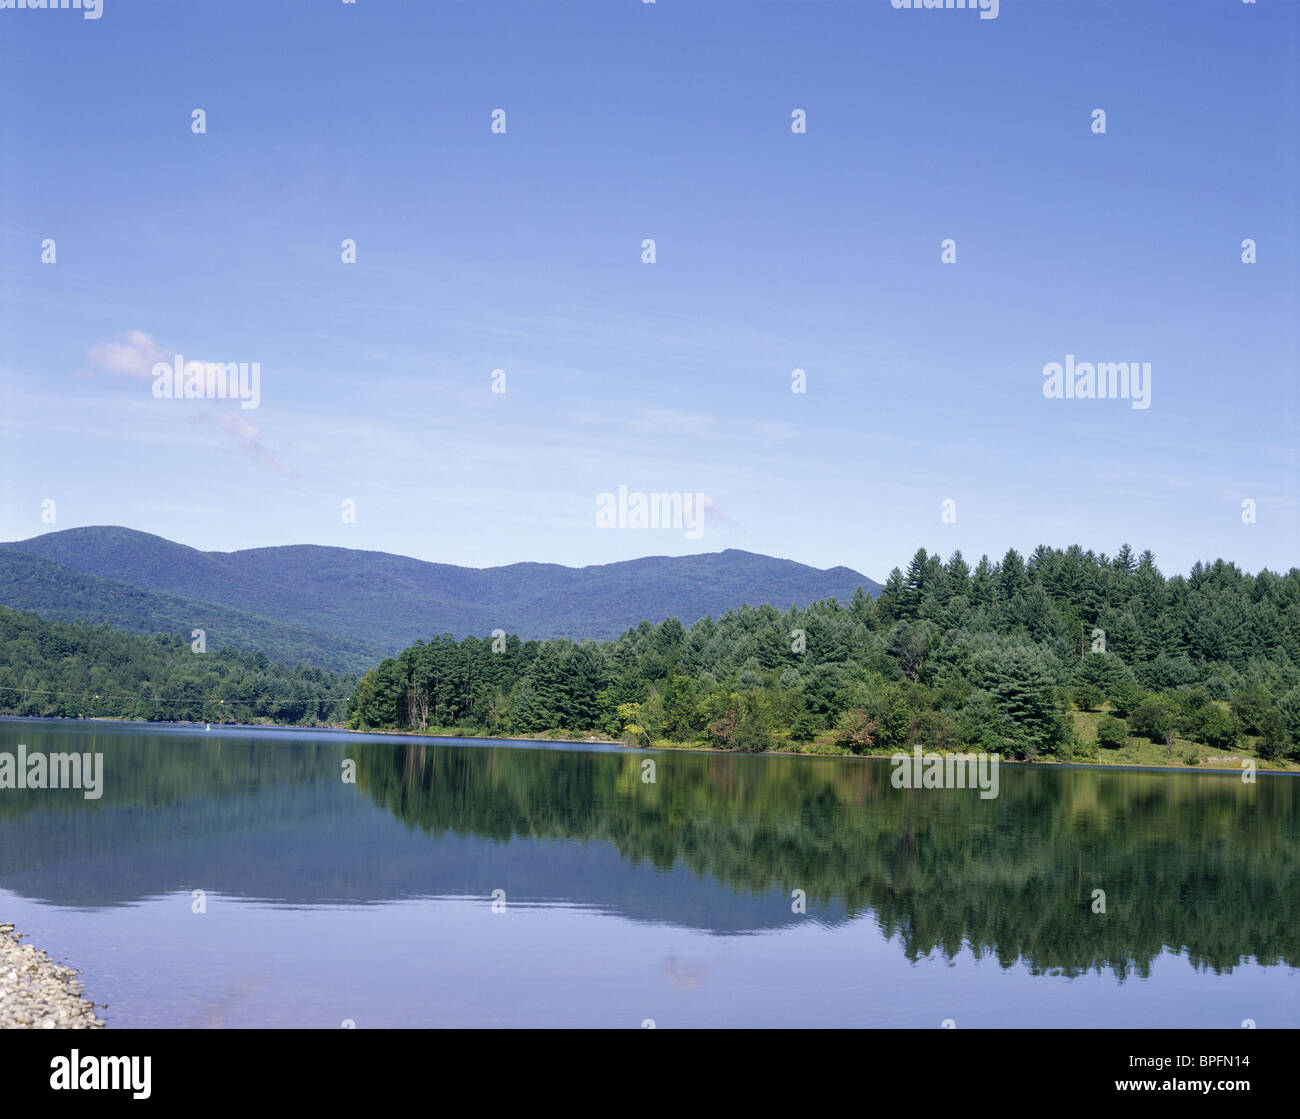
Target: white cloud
[[133, 358]]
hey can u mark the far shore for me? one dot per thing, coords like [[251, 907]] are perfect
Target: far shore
[[1227, 763]]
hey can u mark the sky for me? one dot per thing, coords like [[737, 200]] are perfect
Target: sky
[[775, 250]]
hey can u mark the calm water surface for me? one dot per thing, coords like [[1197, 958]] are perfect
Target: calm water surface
[[625, 901]]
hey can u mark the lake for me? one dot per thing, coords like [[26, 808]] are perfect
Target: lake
[[480, 883]]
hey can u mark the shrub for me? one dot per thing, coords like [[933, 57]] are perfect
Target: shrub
[[1150, 719], [754, 731], [1184, 706], [855, 730], [1082, 748], [1087, 697], [1123, 696], [1215, 727], [1251, 705], [1111, 733], [885, 705]]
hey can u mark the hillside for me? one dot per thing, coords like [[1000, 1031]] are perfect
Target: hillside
[[79, 670], [62, 594], [340, 608]]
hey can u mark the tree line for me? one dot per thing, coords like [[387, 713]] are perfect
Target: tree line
[[996, 657], [73, 669]]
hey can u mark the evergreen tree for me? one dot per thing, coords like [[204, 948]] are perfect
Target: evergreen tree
[[1031, 719]]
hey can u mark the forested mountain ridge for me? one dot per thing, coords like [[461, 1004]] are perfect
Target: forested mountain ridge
[[62, 594], [1058, 656], [375, 603], [1012, 657]]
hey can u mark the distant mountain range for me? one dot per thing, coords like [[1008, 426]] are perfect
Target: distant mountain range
[[344, 609]]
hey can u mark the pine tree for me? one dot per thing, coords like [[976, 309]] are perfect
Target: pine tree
[[982, 583], [958, 574], [1124, 564], [887, 604], [914, 586], [1032, 720]]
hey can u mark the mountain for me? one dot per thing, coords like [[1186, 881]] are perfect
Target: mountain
[[62, 594], [343, 608]]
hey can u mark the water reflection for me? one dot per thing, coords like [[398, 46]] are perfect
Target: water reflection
[[1202, 864]]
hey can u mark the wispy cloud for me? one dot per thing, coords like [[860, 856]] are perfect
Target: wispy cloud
[[249, 437]]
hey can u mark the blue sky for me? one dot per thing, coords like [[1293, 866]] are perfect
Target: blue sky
[[775, 251]]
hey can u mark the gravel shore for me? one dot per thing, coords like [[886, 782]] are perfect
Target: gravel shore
[[36, 993]]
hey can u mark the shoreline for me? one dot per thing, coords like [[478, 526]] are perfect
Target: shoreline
[[36, 993], [544, 738]]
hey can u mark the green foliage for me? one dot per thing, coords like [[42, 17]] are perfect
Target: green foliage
[[1289, 711], [1030, 718], [1123, 695], [1081, 749], [1151, 719], [805, 726], [1186, 708], [950, 657], [739, 721], [1251, 703], [1274, 743], [527, 711], [880, 703], [1215, 727], [755, 729], [1087, 696], [1111, 733], [69, 670]]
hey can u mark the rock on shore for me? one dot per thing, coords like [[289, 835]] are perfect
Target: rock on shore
[[36, 993]]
